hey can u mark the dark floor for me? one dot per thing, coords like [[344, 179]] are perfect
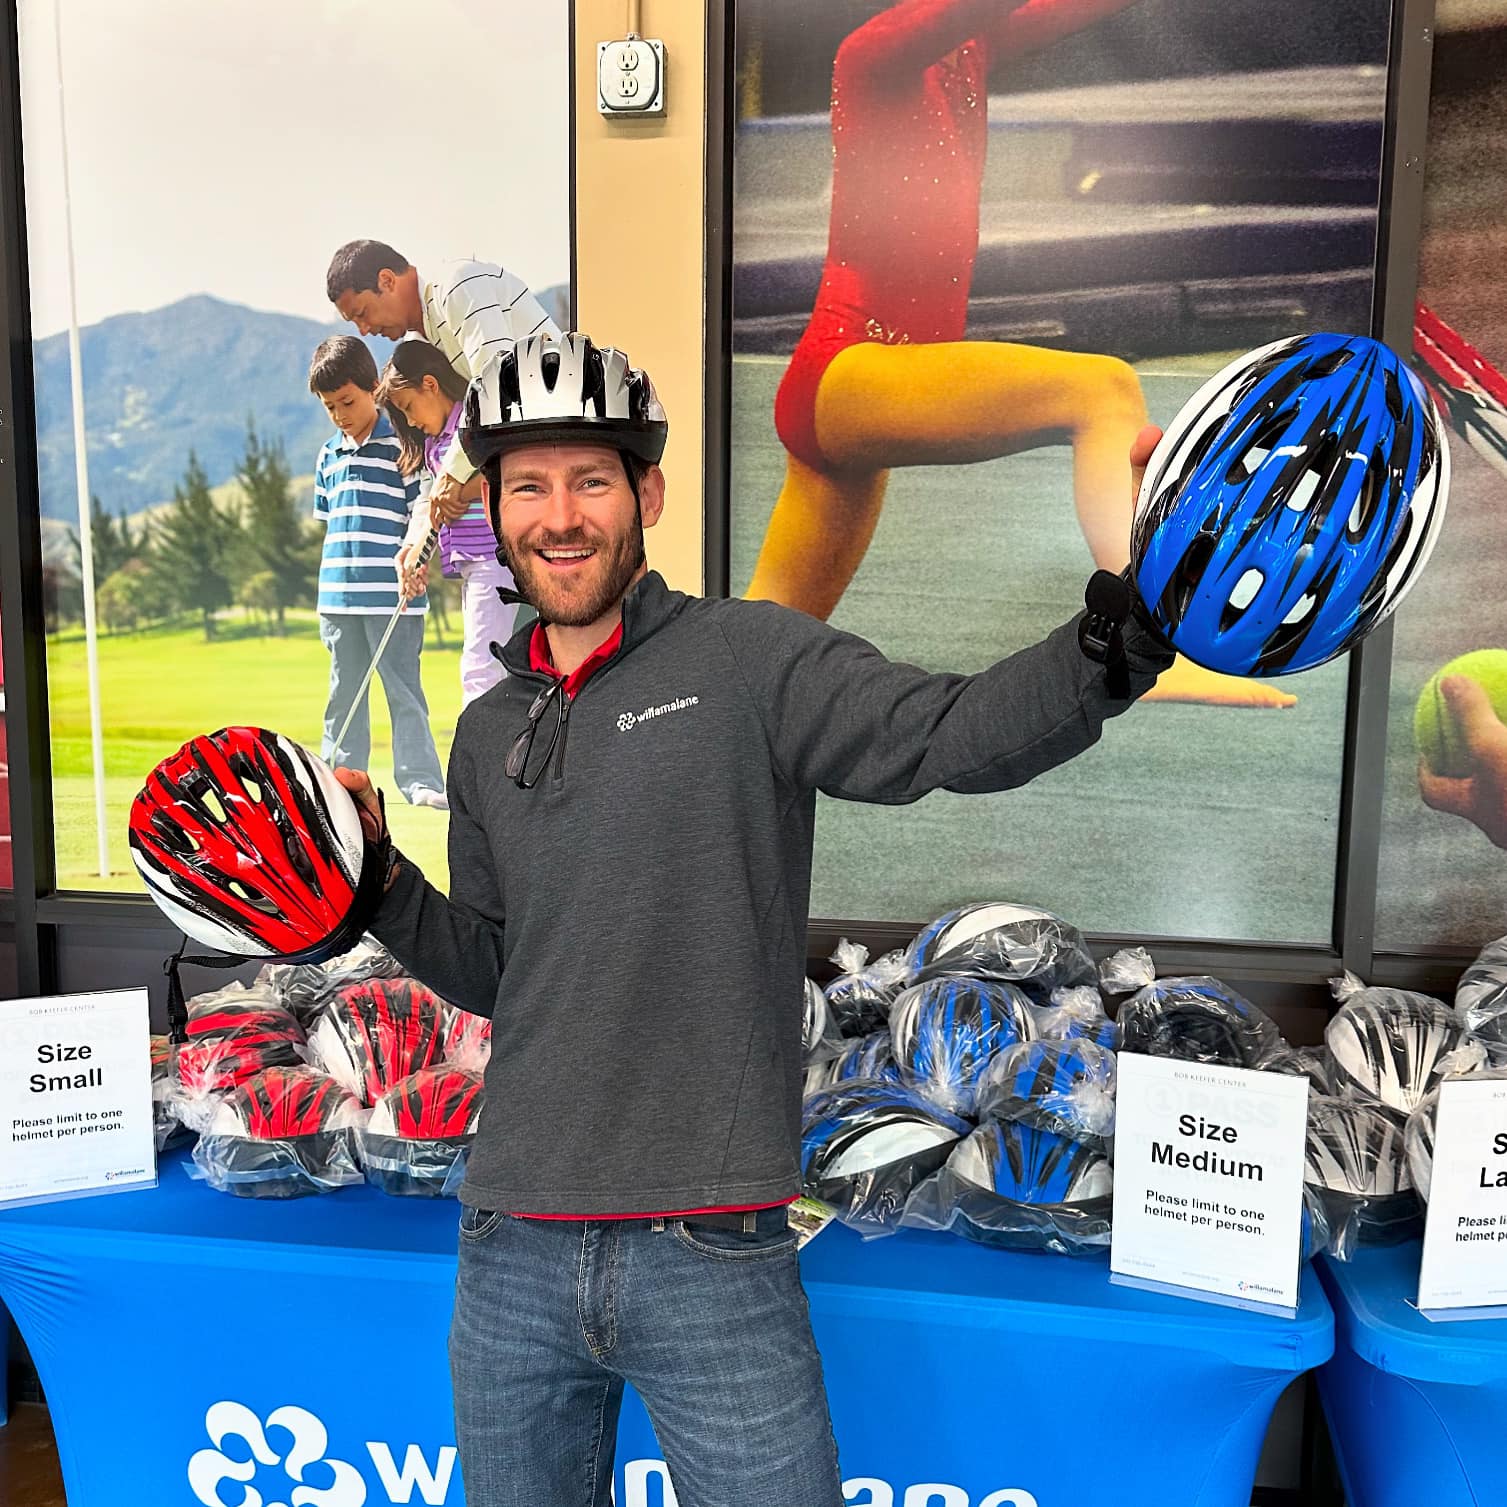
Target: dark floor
[[29, 1471]]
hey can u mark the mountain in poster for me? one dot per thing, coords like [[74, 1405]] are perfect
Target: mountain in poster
[[180, 378]]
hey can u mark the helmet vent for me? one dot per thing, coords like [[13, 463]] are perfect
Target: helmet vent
[[1303, 493], [1245, 590], [1329, 363], [1303, 607], [209, 797], [549, 368], [1394, 394]]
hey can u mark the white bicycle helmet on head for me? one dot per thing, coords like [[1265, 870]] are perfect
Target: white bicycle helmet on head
[[560, 389]]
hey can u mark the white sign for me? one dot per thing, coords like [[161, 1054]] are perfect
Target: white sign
[[1465, 1239], [1209, 1180], [75, 1096]]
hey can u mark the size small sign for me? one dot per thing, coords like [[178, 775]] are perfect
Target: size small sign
[[1464, 1270], [1209, 1181], [75, 1096]]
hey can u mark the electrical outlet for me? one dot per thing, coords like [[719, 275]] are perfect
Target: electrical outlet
[[631, 77]]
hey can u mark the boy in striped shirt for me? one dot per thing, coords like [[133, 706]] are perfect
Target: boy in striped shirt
[[364, 502]]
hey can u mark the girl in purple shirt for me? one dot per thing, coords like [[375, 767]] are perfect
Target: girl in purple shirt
[[423, 396]]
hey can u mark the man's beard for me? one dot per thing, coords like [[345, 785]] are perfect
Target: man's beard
[[613, 567]]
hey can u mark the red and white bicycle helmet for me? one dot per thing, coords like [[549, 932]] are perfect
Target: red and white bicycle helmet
[[371, 1034], [249, 844], [415, 1142]]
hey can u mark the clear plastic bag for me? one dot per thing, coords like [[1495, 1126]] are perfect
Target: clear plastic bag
[[865, 1145], [232, 1034], [1481, 1000], [1017, 944], [416, 1140], [304, 987], [866, 1057], [370, 1034], [1390, 1046], [167, 1129], [1196, 1018], [819, 1037], [1065, 1087], [858, 999], [1301, 1062], [466, 1039], [284, 1133], [1018, 1188], [1355, 1163], [1076, 1014], [945, 1031]]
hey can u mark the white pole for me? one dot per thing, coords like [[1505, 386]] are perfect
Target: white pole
[[81, 467]]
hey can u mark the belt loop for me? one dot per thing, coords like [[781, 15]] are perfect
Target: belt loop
[[657, 1224], [751, 1222]]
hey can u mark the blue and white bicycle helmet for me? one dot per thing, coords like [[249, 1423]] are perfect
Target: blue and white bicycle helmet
[[865, 1145], [1016, 1187], [1198, 1019], [1290, 505], [1020, 944], [867, 1057], [1067, 1087], [945, 1032]]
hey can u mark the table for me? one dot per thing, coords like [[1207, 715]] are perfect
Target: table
[[1415, 1407], [186, 1338]]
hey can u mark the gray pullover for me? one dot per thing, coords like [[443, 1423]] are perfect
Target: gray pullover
[[635, 923]]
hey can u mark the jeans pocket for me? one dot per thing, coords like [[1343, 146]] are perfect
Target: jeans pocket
[[477, 1224], [735, 1245]]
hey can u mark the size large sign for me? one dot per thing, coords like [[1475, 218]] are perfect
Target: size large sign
[[1209, 1180], [75, 1096], [1465, 1239]]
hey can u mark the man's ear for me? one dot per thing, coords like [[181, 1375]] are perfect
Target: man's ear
[[387, 280], [651, 496]]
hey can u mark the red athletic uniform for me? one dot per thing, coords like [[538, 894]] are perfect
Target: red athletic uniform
[[909, 135], [909, 132]]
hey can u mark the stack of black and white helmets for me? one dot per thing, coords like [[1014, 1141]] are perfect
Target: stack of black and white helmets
[[1481, 1000], [1386, 1052], [900, 1095]]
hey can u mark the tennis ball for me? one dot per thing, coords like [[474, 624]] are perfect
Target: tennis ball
[[1437, 733]]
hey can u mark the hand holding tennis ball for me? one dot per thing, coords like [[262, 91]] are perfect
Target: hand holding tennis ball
[[1462, 741]]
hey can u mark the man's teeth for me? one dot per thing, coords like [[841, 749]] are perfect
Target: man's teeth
[[566, 554]]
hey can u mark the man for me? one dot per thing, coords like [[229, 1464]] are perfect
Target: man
[[630, 859], [470, 310]]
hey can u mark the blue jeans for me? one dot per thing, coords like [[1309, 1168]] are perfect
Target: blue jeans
[[352, 639], [710, 1326]]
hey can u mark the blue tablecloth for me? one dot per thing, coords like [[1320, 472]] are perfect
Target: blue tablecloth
[[193, 1344], [1417, 1409]]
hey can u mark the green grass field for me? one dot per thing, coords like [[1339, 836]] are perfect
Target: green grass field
[[164, 685]]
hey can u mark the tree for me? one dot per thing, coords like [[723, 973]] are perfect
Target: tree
[[278, 541], [258, 595], [191, 547], [113, 540], [128, 597]]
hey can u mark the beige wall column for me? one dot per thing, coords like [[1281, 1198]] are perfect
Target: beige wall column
[[640, 217]]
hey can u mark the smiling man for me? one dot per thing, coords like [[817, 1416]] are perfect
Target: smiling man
[[631, 827], [470, 310]]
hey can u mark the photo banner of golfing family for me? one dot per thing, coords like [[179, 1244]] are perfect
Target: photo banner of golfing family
[[276, 313], [976, 247]]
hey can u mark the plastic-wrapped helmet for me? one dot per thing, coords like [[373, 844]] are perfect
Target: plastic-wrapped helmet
[[816, 1025], [415, 1141], [1016, 943], [284, 1133], [865, 1145], [1393, 1046], [1066, 1087], [561, 390], [859, 998], [1076, 1013], [1290, 505], [1198, 1019], [868, 1057], [1481, 999], [303, 987], [1355, 1161], [249, 844], [467, 1039], [375, 1032], [1020, 1188], [1418, 1134], [232, 1035], [946, 1031]]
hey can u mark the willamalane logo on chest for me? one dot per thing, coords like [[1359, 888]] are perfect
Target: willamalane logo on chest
[[627, 720]]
